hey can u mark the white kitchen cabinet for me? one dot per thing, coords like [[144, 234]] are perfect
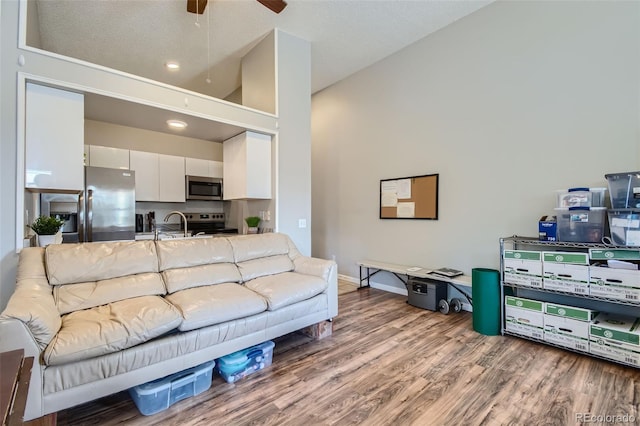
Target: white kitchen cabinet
[[171, 182], [216, 169], [54, 139], [196, 167], [205, 168], [104, 156], [247, 166], [145, 164], [159, 177]]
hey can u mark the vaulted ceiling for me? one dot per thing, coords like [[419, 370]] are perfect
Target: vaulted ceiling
[[141, 36]]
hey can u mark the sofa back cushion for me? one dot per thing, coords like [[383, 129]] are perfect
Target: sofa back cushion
[[198, 276], [262, 254], [249, 247], [74, 297], [196, 262], [263, 266], [81, 263], [193, 252]]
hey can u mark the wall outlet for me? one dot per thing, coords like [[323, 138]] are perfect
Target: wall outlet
[[302, 223]]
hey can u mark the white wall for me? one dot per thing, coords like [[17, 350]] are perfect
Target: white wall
[[507, 105], [116, 136], [293, 146]]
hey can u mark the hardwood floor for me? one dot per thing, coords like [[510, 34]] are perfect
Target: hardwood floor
[[389, 363]]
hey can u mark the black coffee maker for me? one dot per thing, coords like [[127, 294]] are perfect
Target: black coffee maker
[[139, 222]]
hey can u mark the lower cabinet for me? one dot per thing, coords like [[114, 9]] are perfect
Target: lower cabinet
[[581, 297], [159, 177]]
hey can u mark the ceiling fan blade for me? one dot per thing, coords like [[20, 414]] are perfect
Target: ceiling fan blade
[[196, 6], [276, 6]]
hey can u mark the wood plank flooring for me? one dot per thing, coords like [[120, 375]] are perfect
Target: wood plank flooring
[[389, 363]]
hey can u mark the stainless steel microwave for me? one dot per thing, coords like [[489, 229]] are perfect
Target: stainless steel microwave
[[203, 188]]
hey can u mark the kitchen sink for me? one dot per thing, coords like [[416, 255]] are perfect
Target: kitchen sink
[[169, 235]]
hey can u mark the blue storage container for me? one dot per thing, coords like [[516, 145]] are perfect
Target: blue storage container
[[160, 394], [239, 364]]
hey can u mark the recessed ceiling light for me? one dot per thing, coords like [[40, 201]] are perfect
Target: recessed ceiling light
[[176, 124], [172, 66]]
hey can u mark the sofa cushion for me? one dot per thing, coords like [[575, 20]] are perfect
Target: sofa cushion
[[248, 247], [74, 297], [287, 288], [215, 304], [110, 328], [81, 263], [197, 276], [193, 252], [262, 266]]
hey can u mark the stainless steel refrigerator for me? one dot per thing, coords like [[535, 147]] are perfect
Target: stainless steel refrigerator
[[107, 206]]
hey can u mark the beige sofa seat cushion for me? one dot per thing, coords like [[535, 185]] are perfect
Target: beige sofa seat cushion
[[75, 297], [174, 345], [198, 276], [189, 252], [215, 304], [287, 288], [111, 328], [81, 263], [262, 266]]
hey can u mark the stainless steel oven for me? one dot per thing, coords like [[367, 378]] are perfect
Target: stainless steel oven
[[203, 188]]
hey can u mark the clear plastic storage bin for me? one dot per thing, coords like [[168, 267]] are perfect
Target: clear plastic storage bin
[[160, 394], [624, 190], [581, 197], [581, 224], [239, 364], [624, 225]]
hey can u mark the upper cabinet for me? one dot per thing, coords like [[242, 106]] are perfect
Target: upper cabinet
[[54, 139], [205, 168], [159, 177], [172, 183], [104, 156], [145, 164], [247, 166]]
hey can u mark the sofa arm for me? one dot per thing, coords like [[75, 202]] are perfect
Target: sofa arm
[[33, 304], [32, 301], [313, 266], [14, 334], [325, 269]]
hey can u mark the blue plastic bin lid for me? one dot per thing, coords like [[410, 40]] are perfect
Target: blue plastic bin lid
[[164, 383], [241, 357]]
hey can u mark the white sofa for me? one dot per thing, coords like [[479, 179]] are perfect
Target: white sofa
[[103, 317]]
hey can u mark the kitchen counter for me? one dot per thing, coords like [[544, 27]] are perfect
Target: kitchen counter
[[174, 235]]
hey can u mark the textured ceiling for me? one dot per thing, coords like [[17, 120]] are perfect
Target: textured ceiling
[[140, 36]]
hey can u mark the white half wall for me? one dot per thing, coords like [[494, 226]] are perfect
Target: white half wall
[[293, 146], [507, 104]]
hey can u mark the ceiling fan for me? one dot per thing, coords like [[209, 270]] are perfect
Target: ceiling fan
[[198, 6]]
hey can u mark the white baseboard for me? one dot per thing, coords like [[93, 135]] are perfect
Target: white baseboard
[[348, 279]]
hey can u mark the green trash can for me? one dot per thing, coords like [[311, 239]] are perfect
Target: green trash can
[[485, 293]]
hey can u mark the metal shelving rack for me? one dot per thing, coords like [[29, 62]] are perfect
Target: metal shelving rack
[[519, 242]]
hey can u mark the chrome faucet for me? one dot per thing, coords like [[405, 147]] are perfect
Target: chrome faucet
[[166, 218]]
